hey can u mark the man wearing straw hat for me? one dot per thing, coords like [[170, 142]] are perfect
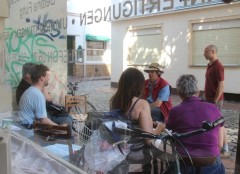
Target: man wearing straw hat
[[157, 93]]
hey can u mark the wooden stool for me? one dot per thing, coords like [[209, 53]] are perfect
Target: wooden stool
[[75, 101]]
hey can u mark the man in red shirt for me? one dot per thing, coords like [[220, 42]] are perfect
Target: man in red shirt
[[214, 77], [157, 93], [213, 91]]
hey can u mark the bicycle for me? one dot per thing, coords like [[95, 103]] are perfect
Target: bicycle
[[170, 158], [172, 165], [73, 91]]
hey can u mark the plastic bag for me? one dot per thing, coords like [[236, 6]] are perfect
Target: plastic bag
[[99, 152]]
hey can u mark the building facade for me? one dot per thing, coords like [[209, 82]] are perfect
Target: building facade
[[50, 32], [101, 39], [174, 34]]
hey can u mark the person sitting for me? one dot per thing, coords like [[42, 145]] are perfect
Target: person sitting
[[25, 82], [157, 93], [32, 104], [129, 99], [129, 94], [53, 109], [188, 116]]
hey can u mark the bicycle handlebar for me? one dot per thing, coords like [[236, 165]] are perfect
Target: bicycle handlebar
[[74, 84], [207, 125], [137, 133], [72, 87]]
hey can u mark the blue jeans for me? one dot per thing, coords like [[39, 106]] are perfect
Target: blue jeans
[[216, 168], [157, 114]]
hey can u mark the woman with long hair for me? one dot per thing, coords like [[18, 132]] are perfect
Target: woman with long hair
[[129, 98]]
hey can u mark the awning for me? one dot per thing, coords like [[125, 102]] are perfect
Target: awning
[[91, 37]]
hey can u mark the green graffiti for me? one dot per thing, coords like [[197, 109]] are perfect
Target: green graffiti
[[53, 55], [36, 48]]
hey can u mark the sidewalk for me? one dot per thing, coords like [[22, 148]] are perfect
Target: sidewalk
[[100, 93]]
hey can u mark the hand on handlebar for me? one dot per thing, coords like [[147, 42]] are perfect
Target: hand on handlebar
[[136, 134], [159, 128], [64, 125]]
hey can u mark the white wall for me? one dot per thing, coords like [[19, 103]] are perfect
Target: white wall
[[5, 90], [175, 38], [4, 8], [103, 28]]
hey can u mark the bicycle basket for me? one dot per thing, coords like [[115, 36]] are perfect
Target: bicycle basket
[[84, 133]]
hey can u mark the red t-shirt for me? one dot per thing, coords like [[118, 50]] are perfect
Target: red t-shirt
[[214, 74]]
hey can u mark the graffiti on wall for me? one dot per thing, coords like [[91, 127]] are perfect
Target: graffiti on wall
[[35, 32], [32, 44]]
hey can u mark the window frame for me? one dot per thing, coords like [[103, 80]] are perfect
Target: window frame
[[214, 21], [95, 50]]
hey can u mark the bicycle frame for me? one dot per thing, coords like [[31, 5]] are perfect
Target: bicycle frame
[[73, 88]]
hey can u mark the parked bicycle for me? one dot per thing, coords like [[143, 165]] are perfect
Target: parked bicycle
[[73, 90], [78, 109], [167, 153], [172, 159]]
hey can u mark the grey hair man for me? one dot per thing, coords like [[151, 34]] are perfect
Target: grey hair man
[[25, 82], [187, 86], [188, 116]]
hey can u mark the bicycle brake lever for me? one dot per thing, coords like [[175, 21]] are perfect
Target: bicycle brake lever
[[119, 142], [168, 132], [206, 125]]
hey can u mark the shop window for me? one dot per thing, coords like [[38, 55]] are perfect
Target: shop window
[[95, 50], [222, 33]]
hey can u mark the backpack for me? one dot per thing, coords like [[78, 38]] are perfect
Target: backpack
[[55, 109]]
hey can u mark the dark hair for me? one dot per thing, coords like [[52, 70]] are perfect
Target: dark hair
[[27, 69], [131, 83], [187, 85], [38, 71]]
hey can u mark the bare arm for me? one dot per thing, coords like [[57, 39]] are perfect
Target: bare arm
[[47, 95], [142, 113], [145, 119], [156, 104], [163, 95], [219, 91], [146, 123], [160, 127]]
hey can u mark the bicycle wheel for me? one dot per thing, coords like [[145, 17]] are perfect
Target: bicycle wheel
[[82, 109], [166, 159]]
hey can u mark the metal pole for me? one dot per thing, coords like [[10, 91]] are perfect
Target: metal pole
[[237, 162]]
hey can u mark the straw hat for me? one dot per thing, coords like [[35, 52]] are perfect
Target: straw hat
[[154, 67]]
